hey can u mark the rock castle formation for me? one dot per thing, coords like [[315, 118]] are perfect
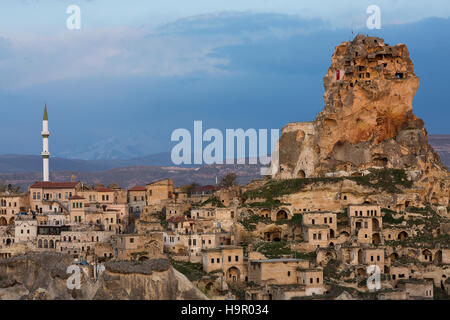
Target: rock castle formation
[[367, 122]]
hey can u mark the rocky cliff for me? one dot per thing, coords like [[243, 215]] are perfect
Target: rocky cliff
[[367, 122], [44, 276]]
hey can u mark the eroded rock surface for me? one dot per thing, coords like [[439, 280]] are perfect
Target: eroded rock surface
[[367, 122], [43, 276]]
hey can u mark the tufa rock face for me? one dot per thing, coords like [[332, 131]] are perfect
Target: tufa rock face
[[367, 121], [43, 276]]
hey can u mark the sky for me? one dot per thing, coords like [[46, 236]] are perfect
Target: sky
[[137, 70]]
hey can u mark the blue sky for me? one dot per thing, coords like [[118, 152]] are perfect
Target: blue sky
[[137, 70]]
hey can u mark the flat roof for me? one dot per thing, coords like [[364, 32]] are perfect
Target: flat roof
[[54, 185], [278, 260], [225, 247]]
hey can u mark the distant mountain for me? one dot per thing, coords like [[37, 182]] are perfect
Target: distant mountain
[[31, 163], [26, 169], [132, 146], [441, 144], [128, 177]]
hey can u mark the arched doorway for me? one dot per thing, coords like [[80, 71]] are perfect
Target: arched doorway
[[393, 255], [8, 241], [281, 215], [301, 174], [265, 213], [272, 235], [52, 244], [427, 255], [376, 239], [11, 221], [3, 221], [233, 274], [332, 234], [375, 224], [360, 257], [402, 235]]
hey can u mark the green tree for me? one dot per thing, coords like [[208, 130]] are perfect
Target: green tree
[[228, 180]]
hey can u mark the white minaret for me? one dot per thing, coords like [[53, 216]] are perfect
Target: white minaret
[[45, 154]]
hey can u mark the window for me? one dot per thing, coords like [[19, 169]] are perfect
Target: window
[[289, 273], [236, 258], [218, 260], [212, 260], [229, 258], [131, 240]]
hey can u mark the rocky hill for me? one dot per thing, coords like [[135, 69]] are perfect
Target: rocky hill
[[43, 276], [367, 123]]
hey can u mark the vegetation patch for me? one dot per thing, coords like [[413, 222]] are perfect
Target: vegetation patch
[[296, 220], [251, 222], [273, 250], [311, 256], [387, 180], [330, 271], [193, 271], [162, 218], [214, 201], [389, 218]]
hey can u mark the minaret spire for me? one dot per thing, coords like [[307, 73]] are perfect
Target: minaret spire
[[45, 151]]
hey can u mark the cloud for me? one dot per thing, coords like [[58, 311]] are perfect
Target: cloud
[[231, 70], [184, 48]]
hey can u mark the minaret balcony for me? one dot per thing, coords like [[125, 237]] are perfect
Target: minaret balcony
[[45, 133], [45, 154]]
